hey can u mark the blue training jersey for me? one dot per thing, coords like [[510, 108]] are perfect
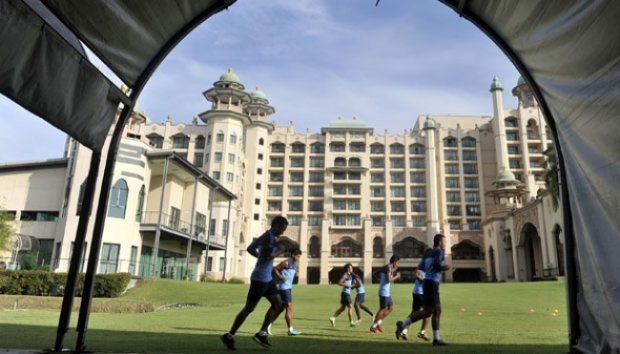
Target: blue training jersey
[[289, 273], [431, 263], [418, 285], [265, 246], [384, 282], [360, 286], [347, 281]]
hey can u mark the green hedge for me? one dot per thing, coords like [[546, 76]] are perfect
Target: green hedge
[[43, 283]]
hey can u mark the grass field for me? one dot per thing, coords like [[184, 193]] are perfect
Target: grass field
[[477, 318]]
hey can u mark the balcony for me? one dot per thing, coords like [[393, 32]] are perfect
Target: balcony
[[172, 228]]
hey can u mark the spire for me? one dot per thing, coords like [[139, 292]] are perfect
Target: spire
[[496, 85]]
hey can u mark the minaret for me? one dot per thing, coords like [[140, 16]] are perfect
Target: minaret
[[432, 208], [501, 151]]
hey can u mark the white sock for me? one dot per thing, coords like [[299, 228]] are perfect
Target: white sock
[[436, 335], [423, 331], [404, 331], [379, 322], [290, 329]]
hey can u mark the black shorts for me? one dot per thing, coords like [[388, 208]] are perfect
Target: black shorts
[[259, 289], [286, 295], [431, 293], [360, 297], [345, 299], [418, 302], [385, 302]]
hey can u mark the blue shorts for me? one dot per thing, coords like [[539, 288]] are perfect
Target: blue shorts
[[385, 302], [345, 299], [360, 297], [259, 289], [286, 295]]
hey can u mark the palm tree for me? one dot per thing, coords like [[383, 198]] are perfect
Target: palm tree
[[552, 175]]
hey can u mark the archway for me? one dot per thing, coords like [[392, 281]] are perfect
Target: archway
[[532, 264], [559, 249]]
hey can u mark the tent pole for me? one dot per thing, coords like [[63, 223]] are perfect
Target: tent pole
[[104, 195], [78, 248]]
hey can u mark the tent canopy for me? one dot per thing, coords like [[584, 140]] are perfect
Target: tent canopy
[[568, 50]]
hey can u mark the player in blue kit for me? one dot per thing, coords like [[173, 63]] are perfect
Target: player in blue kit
[[285, 274], [345, 281], [418, 304], [265, 249], [387, 276], [433, 263]]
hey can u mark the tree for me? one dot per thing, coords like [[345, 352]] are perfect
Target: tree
[[552, 177], [6, 229]]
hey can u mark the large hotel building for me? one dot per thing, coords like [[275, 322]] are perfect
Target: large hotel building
[[187, 199]]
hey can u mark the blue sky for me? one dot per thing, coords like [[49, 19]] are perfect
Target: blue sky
[[315, 60]]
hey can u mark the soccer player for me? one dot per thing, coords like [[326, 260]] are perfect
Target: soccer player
[[433, 263], [285, 273], [265, 249], [387, 276], [360, 297], [418, 303], [345, 296]]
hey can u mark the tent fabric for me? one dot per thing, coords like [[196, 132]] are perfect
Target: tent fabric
[[570, 50]]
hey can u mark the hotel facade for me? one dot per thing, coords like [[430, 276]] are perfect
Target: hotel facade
[[187, 199]]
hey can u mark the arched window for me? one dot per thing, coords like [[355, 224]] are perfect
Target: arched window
[[156, 141], [346, 248], [278, 148], [261, 141], [397, 149], [180, 141], [355, 162], [314, 247], [140, 206], [511, 122], [118, 199], [532, 130], [340, 162], [468, 141], [377, 248], [317, 148], [298, 148], [466, 250], [377, 149], [200, 142], [416, 149], [449, 141], [409, 248]]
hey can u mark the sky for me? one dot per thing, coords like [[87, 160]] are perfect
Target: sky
[[316, 60]]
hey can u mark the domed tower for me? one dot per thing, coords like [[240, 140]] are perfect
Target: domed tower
[[501, 150], [508, 192], [432, 217], [524, 94]]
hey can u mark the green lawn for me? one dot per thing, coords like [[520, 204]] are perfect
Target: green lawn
[[477, 318]]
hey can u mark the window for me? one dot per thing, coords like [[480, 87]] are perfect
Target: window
[[118, 199], [513, 150], [259, 171], [353, 205], [180, 142], [455, 224], [317, 162], [314, 220], [377, 191], [315, 191], [108, 262], [355, 162], [378, 221], [417, 177], [453, 196], [474, 224], [397, 177], [174, 218], [418, 207], [346, 220], [468, 142], [418, 221], [201, 224], [258, 186], [340, 204], [298, 148], [200, 142], [450, 155], [219, 138], [233, 139], [512, 136], [314, 247], [212, 225], [317, 148], [222, 264], [209, 264], [295, 191], [417, 163], [336, 147], [357, 147], [397, 163], [297, 176], [469, 155], [397, 149], [297, 162], [355, 176], [275, 191], [472, 197], [256, 217], [217, 156], [315, 206], [274, 206], [209, 139], [514, 163], [295, 206], [398, 221], [277, 148], [397, 207], [449, 142], [317, 177], [276, 162], [260, 156], [230, 177], [340, 162], [261, 141], [418, 192], [409, 248], [377, 149], [294, 220], [377, 247], [416, 149], [377, 206], [377, 163], [510, 122], [397, 192], [140, 205], [452, 183], [198, 159], [156, 141], [377, 177], [452, 169], [78, 209], [132, 260], [216, 175], [225, 227], [44, 257], [470, 168], [454, 210], [231, 158], [473, 210], [346, 248], [471, 182]]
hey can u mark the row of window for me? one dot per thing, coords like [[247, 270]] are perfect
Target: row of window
[[376, 148], [181, 141], [468, 168], [468, 155]]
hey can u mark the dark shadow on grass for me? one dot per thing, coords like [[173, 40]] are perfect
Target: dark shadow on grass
[[105, 341]]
